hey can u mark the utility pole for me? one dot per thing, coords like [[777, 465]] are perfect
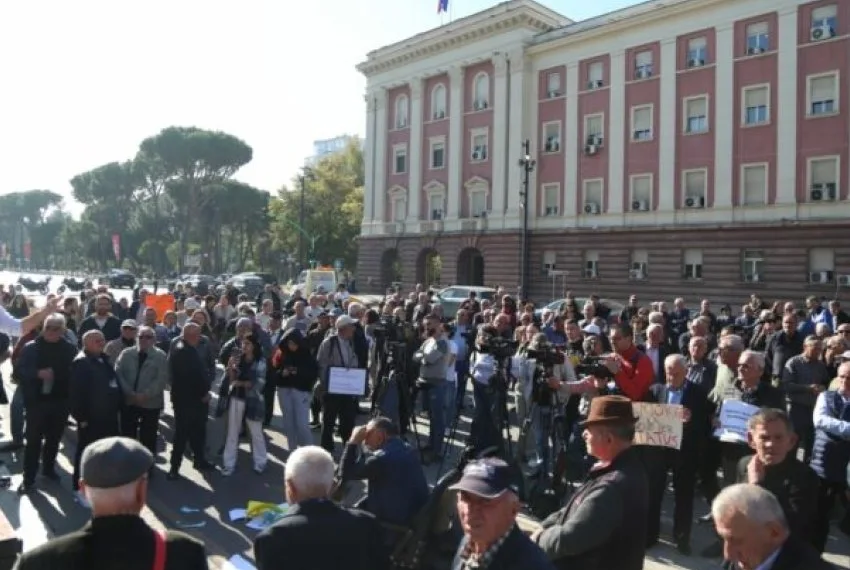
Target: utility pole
[[303, 181], [527, 164]]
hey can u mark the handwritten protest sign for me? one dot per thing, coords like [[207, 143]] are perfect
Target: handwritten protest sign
[[160, 304], [658, 424], [734, 416]]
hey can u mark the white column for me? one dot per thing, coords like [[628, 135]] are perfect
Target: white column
[[499, 136], [414, 152], [380, 193], [724, 119], [455, 147], [615, 145], [667, 130], [522, 90], [786, 110], [572, 126], [369, 163]]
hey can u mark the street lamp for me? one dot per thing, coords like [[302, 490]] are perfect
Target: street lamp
[[306, 175], [527, 164]]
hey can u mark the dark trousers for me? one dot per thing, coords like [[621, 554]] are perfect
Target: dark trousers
[[336, 407], [828, 494], [141, 424], [88, 435], [801, 419], [730, 455], [46, 423], [707, 465], [659, 463], [315, 408], [269, 396], [190, 426]]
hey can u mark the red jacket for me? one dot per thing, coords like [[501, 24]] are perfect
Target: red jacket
[[636, 374]]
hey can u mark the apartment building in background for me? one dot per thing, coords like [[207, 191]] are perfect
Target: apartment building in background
[[693, 147]]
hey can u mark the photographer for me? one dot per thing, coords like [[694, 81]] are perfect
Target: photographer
[[432, 357], [491, 353]]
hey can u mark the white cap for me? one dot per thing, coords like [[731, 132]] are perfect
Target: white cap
[[592, 329], [191, 304], [344, 321]]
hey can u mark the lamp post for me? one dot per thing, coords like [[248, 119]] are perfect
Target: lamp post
[[527, 164], [306, 175]]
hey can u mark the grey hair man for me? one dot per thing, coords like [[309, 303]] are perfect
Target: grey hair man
[[754, 531]]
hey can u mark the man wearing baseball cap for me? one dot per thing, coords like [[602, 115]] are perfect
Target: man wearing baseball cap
[[115, 481], [604, 525], [487, 504], [337, 351]]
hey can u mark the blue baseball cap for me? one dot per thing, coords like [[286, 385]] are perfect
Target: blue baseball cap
[[487, 478]]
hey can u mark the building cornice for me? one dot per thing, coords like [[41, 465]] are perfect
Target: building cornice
[[506, 17]]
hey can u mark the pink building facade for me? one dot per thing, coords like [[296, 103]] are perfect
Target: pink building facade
[[685, 146]]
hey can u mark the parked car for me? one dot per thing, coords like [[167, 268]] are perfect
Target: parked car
[[248, 284], [121, 279], [268, 278], [557, 306], [202, 284], [451, 297]]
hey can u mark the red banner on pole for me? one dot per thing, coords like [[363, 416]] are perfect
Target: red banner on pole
[[116, 246], [27, 250]]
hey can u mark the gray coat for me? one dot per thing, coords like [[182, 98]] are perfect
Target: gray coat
[[152, 377]]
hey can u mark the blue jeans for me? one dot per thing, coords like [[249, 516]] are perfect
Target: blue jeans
[[16, 412], [437, 414]]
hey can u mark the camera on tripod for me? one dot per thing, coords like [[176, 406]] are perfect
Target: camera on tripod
[[498, 347]]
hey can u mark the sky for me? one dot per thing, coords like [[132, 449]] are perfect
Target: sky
[[85, 81]]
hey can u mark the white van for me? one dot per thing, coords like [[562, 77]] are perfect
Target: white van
[[310, 280]]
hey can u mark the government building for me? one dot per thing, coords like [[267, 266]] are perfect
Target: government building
[[680, 147]]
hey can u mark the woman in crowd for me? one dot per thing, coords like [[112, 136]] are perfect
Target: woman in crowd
[[246, 373], [296, 373]]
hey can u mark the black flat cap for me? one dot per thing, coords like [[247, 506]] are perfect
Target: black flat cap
[[114, 461]]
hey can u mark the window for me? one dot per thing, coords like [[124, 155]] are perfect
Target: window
[[595, 72], [478, 203], [752, 266], [479, 145], [758, 40], [438, 154], [697, 52], [756, 105], [593, 196], [825, 18], [696, 115], [639, 267], [695, 184], [481, 92], [399, 208], [643, 64], [821, 265], [401, 112], [754, 185], [593, 125], [551, 199], [642, 123], [552, 136], [823, 94], [641, 187], [549, 259], [823, 178], [400, 159], [692, 264], [438, 102], [436, 205], [591, 264], [553, 85]]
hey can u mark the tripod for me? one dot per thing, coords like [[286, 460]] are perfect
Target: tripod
[[499, 385], [391, 397]]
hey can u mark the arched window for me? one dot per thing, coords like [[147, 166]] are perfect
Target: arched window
[[481, 91], [438, 101], [401, 111]]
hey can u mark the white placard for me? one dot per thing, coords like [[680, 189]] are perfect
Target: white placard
[[658, 424], [734, 415], [347, 381], [237, 562]]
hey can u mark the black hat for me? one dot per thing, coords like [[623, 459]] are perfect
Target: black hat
[[487, 478], [113, 462]]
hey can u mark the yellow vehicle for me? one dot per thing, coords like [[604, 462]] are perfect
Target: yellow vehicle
[[310, 280]]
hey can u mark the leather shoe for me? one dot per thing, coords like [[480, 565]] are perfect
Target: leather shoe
[[173, 475]]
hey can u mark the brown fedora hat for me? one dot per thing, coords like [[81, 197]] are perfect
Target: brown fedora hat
[[610, 410]]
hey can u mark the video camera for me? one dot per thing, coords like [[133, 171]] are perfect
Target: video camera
[[547, 357], [594, 366], [500, 348], [390, 329]]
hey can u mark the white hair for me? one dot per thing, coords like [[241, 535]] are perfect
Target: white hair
[[676, 358], [55, 320], [91, 334], [656, 318], [355, 310], [822, 329], [733, 342], [123, 496], [756, 357], [765, 314], [654, 327], [310, 469], [756, 504]]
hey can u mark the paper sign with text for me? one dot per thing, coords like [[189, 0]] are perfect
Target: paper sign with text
[[734, 416], [658, 424]]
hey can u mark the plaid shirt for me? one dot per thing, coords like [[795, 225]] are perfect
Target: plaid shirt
[[472, 561]]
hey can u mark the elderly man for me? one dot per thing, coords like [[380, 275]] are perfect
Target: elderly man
[[114, 480], [603, 525], [338, 351], [657, 349], [113, 348], [487, 505], [142, 371], [397, 488], [755, 532], [803, 378], [43, 371], [316, 533], [95, 398]]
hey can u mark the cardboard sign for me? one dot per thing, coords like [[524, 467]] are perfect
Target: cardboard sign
[[658, 424], [160, 304]]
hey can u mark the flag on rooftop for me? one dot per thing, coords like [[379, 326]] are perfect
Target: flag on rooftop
[[442, 6]]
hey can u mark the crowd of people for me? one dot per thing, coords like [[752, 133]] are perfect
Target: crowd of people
[[107, 366]]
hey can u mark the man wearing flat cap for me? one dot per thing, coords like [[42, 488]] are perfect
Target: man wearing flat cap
[[487, 504], [114, 480], [603, 526]]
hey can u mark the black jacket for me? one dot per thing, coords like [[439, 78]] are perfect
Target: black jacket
[[321, 535], [121, 542], [96, 397], [190, 371], [111, 329], [516, 553], [38, 354], [695, 432], [307, 369], [796, 554]]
